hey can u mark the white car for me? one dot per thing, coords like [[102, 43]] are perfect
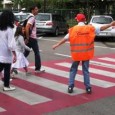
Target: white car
[[100, 20]]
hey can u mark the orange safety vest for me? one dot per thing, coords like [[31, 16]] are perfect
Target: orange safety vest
[[82, 42]]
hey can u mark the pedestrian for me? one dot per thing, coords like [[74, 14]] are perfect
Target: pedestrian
[[31, 38], [81, 39], [21, 62], [7, 47]]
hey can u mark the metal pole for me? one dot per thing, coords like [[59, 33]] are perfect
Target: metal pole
[[87, 10]]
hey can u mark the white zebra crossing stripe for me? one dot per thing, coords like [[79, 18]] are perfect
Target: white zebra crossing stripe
[[102, 64], [33, 98], [2, 109], [108, 59], [49, 84], [61, 73], [95, 62], [25, 96], [92, 70]]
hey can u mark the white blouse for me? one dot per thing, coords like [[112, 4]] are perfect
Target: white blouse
[[20, 44], [7, 45]]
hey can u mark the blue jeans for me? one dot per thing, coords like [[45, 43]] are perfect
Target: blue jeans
[[85, 69], [34, 45]]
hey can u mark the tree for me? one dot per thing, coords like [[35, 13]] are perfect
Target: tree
[[24, 3]]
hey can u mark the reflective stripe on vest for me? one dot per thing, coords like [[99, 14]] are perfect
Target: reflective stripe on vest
[[82, 42], [84, 50]]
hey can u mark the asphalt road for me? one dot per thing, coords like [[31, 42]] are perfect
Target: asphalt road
[[103, 46]]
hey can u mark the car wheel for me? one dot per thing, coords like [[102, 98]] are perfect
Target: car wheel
[[56, 32]]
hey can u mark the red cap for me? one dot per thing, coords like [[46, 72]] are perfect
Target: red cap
[[80, 17]]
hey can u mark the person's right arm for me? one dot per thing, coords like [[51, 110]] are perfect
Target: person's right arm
[[21, 40], [12, 43], [62, 41], [28, 26]]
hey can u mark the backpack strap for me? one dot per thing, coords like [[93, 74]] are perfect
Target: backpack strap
[[32, 25]]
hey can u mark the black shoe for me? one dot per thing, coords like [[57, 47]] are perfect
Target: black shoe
[[15, 71], [70, 89], [88, 90]]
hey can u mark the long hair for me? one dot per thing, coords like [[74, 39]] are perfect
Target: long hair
[[19, 31], [6, 20]]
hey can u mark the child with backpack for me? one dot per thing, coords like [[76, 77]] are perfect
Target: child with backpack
[[21, 62]]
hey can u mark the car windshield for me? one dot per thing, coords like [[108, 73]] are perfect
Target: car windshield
[[102, 20], [42, 17]]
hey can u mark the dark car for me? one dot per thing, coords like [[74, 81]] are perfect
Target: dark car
[[51, 23]]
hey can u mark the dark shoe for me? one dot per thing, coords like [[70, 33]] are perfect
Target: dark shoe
[[88, 90], [70, 89], [15, 71]]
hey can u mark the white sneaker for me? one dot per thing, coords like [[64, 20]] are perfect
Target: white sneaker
[[10, 88], [40, 71], [10, 79]]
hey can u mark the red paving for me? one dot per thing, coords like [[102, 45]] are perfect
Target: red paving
[[59, 100]]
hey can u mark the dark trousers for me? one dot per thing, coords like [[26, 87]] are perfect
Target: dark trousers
[[34, 45], [6, 68]]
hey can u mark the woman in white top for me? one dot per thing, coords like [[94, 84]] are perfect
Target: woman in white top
[[7, 46], [21, 62]]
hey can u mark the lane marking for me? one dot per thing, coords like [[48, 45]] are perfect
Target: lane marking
[[2, 109], [26, 96], [94, 62], [53, 40], [49, 83], [62, 55], [108, 59], [92, 70], [61, 73]]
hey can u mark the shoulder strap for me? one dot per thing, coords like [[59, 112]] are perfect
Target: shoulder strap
[[30, 17], [34, 21]]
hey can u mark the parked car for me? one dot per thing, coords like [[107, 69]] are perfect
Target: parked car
[[100, 20], [51, 23]]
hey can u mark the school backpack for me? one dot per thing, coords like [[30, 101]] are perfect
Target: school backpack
[[23, 24]]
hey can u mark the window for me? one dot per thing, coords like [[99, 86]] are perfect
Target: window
[[102, 20], [41, 17]]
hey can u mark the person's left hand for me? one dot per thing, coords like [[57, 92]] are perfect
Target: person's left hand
[[113, 23], [54, 46], [14, 59], [26, 41]]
